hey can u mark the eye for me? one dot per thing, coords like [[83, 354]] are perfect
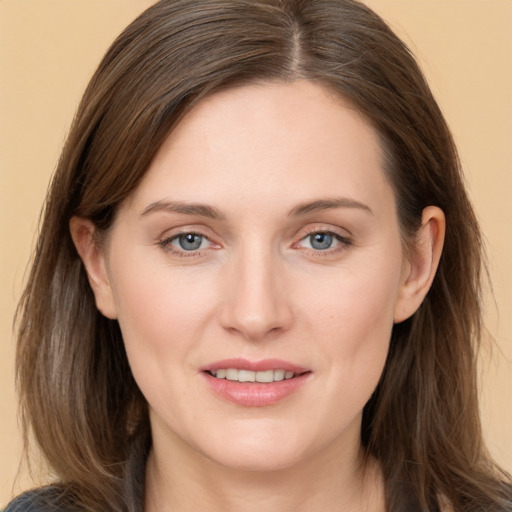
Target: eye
[[184, 243], [323, 241], [189, 241]]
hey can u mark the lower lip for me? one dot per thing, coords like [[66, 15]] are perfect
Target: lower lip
[[255, 394]]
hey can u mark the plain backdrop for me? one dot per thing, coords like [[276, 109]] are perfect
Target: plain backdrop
[[49, 49]]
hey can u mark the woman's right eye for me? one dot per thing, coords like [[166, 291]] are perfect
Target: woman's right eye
[[185, 243], [321, 241]]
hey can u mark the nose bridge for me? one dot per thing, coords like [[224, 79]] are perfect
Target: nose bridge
[[257, 303]]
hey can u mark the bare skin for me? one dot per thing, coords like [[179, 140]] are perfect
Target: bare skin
[[264, 230], [277, 491]]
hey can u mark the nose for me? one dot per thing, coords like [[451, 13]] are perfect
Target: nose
[[256, 303]]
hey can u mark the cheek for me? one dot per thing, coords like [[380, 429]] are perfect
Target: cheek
[[353, 324], [356, 304], [161, 313]]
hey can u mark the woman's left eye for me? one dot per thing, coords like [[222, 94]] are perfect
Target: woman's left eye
[[322, 241]]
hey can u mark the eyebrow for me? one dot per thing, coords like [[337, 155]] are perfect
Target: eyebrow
[[184, 208], [203, 210], [328, 204]]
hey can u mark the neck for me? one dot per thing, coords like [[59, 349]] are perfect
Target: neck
[[335, 481]]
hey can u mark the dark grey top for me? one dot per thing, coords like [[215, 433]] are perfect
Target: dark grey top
[[44, 499]]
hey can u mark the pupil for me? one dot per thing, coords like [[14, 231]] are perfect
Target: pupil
[[321, 241], [190, 242]]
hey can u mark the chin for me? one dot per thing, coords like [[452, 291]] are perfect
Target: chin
[[256, 453], [264, 461]]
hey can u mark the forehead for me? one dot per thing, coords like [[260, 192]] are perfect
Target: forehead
[[257, 139]]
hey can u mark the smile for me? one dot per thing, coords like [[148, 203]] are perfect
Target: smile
[[255, 383], [267, 376]]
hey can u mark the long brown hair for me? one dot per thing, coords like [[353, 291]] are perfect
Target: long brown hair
[[78, 396]]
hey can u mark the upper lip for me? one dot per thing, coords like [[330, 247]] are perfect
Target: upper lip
[[255, 366]]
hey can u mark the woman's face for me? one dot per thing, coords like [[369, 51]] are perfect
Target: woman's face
[[262, 243]]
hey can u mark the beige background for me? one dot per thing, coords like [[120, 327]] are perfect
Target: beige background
[[49, 48]]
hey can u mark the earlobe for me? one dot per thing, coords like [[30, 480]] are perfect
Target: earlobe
[[93, 257], [421, 264]]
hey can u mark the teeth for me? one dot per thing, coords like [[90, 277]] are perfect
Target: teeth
[[231, 374], [246, 376], [267, 376], [279, 374], [250, 376]]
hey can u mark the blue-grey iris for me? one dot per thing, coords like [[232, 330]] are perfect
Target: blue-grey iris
[[190, 242], [321, 241]]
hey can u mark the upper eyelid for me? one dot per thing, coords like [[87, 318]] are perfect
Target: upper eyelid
[[173, 233], [186, 230], [321, 228]]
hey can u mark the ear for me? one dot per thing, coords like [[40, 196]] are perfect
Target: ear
[[93, 257], [421, 263]]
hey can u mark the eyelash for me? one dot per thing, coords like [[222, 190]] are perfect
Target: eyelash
[[166, 244], [344, 242]]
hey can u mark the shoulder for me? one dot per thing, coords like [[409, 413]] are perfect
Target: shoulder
[[38, 500]]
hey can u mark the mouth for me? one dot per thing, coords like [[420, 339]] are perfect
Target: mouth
[[255, 384], [239, 375]]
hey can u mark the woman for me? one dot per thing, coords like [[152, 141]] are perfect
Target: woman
[[257, 281]]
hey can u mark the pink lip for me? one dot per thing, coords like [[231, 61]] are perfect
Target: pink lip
[[255, 394], [255, 366]]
